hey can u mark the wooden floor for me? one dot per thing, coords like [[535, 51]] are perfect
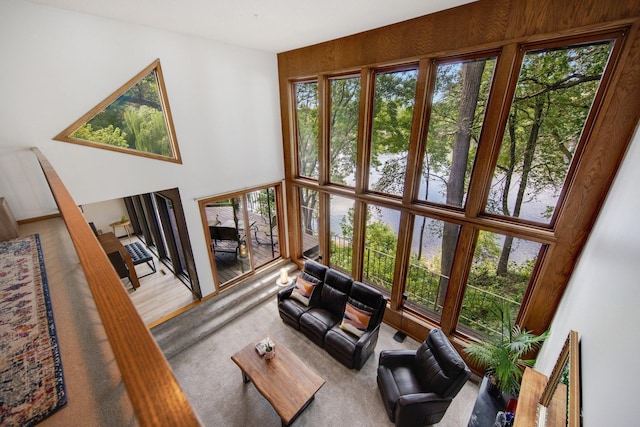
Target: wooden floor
[[161, 294]]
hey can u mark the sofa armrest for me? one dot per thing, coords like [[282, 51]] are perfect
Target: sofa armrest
[[396, 357], [285, 293], [365, 347], [420, 398]]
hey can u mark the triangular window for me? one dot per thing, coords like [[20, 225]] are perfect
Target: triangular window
[[135, 119]]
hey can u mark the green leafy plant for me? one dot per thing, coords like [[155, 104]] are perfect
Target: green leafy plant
[[504, 356]]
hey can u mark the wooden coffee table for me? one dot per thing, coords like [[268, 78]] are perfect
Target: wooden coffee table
[[285, 381]]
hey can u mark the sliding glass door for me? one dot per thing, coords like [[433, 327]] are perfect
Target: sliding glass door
[[242, 231]]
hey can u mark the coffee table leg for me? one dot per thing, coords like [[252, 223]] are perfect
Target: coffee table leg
[[311, 399], [245, 378]]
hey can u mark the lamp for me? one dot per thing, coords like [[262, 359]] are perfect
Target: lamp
[[243, 249], [284, 276]]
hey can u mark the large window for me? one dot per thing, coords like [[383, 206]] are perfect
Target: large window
[[442, 181], [307, 128], [457, 112], [341, 232], [343, 129], [393, 100], [556, 88]]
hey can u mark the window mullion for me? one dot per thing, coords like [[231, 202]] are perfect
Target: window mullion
[[492, 130], [324, 104], [458, 278], [419, 127], [364, 130]]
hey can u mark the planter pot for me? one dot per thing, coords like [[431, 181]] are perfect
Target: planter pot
[[492, 388], [270, 354]]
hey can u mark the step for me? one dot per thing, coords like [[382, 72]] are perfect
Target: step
[[181, 332]]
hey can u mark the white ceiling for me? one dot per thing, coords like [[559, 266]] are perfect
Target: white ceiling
[[269, 25]]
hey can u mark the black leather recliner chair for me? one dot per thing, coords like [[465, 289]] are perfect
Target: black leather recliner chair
[[417, 387]]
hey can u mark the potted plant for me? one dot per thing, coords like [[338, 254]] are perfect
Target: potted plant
[[269, 351], [503, 355]]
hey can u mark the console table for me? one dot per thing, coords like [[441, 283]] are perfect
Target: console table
[[531, 388]]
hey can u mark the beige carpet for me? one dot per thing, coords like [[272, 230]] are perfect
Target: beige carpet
[[214, 384], [205, 371]]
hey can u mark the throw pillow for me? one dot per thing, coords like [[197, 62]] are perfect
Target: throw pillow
[[355, 320], [303, 290]]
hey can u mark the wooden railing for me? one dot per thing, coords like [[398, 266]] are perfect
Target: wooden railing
[[154, 392]]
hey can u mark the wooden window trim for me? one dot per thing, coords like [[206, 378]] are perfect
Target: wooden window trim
[[65, 135]]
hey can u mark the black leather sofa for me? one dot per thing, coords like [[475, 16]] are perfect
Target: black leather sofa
[[323, 319]]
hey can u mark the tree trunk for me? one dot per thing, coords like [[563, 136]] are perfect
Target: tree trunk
[[527, 163], [472, 78]]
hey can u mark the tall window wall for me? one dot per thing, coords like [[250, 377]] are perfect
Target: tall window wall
[[442, 181]]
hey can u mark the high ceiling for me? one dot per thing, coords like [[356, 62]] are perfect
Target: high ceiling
[[269, 25]]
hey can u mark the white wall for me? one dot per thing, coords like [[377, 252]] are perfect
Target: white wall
[[57, 65], [104, 213], [602, 304]]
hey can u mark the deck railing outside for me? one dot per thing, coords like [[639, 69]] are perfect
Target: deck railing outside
[[423, 287]]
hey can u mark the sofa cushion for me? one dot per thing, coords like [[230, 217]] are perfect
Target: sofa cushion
[[290, 311], [341, 345], [355, 320], [335, 291], [315, 269], [316, 322], [303, 290]]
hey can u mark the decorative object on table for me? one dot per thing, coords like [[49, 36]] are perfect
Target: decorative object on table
[[503, 355], [31, 378], [261, 347], [269, 351]]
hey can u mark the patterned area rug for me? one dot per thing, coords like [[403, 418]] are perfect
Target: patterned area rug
[[31, 380]]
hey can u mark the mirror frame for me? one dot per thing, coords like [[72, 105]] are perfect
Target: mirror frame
[[570, 353]]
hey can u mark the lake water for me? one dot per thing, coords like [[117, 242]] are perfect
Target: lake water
[[432, 241]]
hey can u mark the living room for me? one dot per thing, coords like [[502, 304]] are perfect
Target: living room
[[59, 64]]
